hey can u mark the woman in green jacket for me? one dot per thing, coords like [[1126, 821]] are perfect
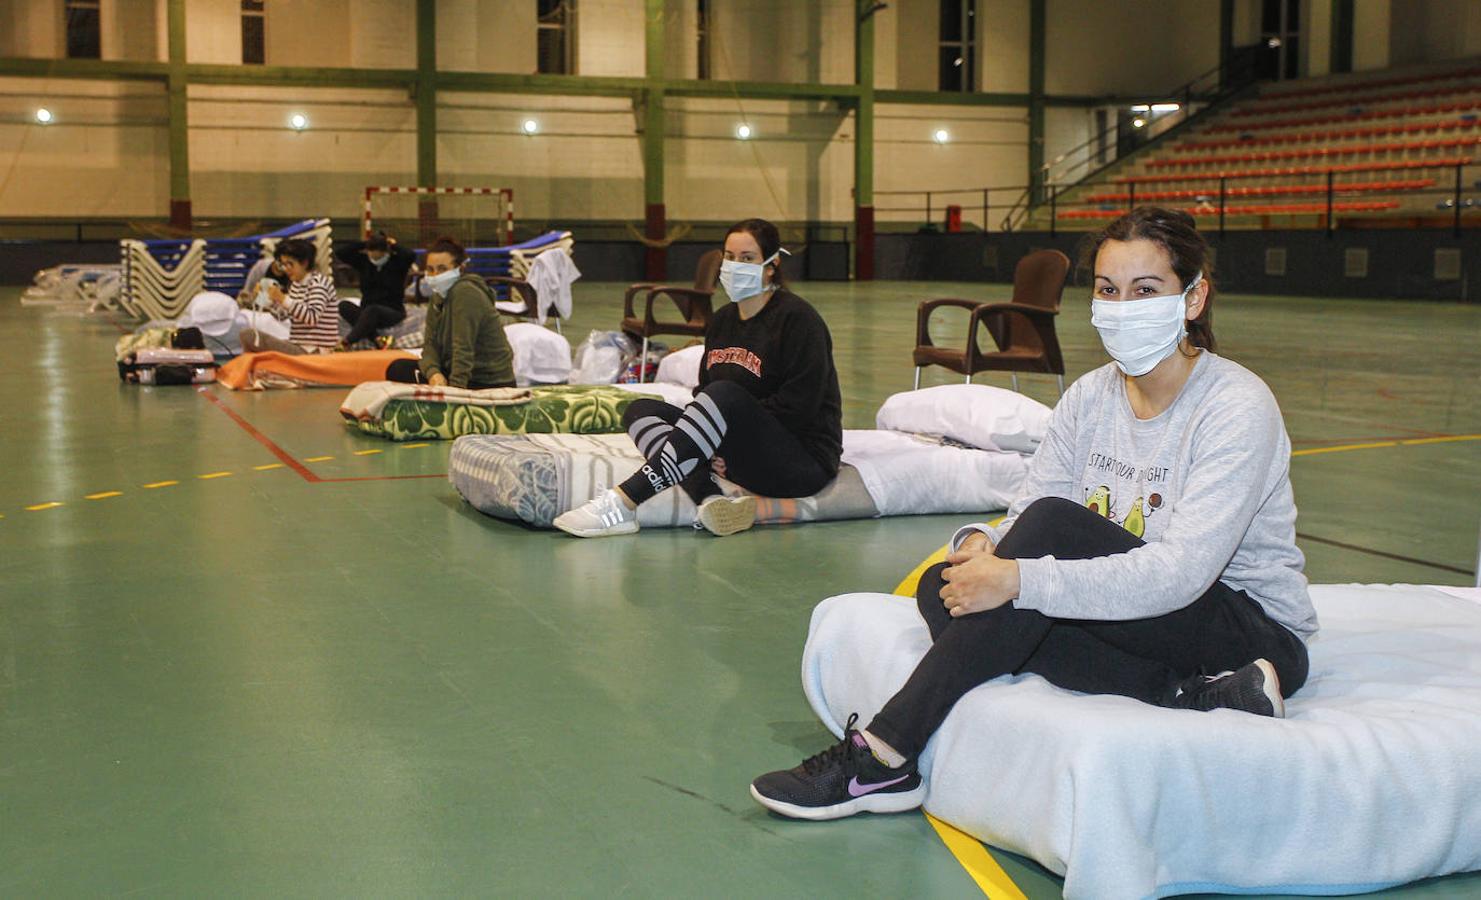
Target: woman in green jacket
[[463, 345]]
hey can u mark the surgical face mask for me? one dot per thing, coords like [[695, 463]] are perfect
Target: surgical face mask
[[742, 280], [442, 282], [380, 261], [1139, 334], [262, 300]]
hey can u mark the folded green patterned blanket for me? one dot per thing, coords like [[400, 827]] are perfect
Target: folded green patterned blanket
[[406, 412]]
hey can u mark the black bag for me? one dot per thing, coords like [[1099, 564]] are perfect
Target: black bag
[[188, 339]]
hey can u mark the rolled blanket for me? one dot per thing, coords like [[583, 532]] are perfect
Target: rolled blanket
[[256, 371], [406, 412]]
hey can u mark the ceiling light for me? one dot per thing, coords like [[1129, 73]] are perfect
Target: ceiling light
[[743, 132], [941, 135], [1138, 122], [298, 121], [530, 126], [1165, 107], [44, 116]]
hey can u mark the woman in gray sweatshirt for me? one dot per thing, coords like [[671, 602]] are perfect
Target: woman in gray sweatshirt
[[1154, 543]]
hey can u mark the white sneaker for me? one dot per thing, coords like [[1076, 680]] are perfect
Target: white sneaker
[[603, 516], [723, 515]]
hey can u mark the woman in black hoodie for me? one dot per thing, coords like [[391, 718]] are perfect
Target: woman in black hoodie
[[382, 267], [767, 414]]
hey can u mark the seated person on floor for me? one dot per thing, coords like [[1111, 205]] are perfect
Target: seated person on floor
[[767, 414], [463, 344], [308, 306], [264, 270], [382, 267], [1154, 543]]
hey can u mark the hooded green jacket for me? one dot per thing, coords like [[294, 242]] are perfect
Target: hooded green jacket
[[464, 339]]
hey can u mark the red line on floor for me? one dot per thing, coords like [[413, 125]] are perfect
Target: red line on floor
[[287, 458], [283, 455]]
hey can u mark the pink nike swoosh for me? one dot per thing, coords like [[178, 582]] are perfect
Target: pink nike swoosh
[[855, 789]]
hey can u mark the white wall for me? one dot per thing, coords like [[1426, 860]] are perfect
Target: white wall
[[485, 36], [1370, 33], [1129, 48], [1436, 30], [1316, 37], [32, 29], [1003, 36], [213, 32], [106, 154]]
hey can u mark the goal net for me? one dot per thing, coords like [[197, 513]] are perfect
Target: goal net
[[473, 216]]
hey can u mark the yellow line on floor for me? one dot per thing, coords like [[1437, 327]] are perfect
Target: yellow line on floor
[[40, 506], [160, 484], [266, 467], [209, 475], [1408, 442], [105, 495], [318, 458], [1449, 439], [1312, 451], [979, 864], [413, 446], [367, 452]]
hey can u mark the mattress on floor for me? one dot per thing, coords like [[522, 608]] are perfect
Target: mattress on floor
[[1372, 780], [535, 479], [574, 409]]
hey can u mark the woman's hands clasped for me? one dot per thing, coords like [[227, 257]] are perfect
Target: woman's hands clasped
[[976, 579]]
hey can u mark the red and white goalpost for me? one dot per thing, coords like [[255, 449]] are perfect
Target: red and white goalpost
[[476, 216]]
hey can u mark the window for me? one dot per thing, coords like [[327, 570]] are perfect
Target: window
[[958, 55], [84, 29], [254, 32], [556, 37], [703, 19]]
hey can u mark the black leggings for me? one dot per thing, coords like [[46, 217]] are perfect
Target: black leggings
[[365, 321], [1141, 658], [724, 420], [409, 371]]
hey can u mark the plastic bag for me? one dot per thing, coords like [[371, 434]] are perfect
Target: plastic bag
[[601, 358]]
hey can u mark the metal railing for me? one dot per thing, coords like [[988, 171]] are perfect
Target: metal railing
[[1435, 195], [1209, 89]]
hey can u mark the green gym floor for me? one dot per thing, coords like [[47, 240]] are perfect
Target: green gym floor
[[220, 677]]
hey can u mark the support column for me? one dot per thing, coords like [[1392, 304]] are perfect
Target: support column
[[179, 118], [864, 144], [426, 102], [1037, 39], [655, 220]]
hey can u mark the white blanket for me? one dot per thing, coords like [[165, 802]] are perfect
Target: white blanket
[[1374, 779], [910, 474]]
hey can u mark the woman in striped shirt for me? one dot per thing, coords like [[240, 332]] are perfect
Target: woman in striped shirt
[[310, 306]]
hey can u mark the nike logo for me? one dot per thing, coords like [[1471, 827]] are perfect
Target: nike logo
[[855, 789]]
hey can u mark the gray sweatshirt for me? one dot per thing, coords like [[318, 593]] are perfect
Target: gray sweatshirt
[[1206, 483]]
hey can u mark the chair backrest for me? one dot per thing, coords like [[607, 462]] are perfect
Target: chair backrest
[[1038, 280], [707, 273]]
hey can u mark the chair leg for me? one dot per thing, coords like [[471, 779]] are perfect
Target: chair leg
[[968, 380], [1015, 381], [558, 325], [917, 379], [1061, 384], [643, 360]]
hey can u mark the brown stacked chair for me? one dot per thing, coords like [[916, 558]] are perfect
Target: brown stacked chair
[[1023, 329], [693, 304]]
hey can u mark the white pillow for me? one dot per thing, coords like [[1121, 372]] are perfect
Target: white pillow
[[681, 367], [979, 415], [540, 355]]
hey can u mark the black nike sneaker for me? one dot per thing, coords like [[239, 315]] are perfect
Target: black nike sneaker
[[841, 781], [1255, 688]]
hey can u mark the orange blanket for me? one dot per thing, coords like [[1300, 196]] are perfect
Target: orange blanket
[[257, 371]]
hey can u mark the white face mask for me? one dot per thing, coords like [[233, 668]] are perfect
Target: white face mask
[[380, 261], [442, 282], [742, 280], [1139, 334]]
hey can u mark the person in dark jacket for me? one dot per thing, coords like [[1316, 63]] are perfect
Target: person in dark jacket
[[464, 344], [382, 267], [767, 414]]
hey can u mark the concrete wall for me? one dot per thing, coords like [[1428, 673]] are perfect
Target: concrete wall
[[1371, 20], [1131, 47], [1435, 30]]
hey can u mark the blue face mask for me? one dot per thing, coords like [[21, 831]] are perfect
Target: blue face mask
[[443, 282], [743, 280]]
